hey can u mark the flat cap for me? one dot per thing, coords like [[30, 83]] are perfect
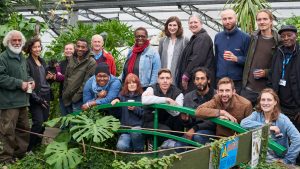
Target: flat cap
[[287, 28]]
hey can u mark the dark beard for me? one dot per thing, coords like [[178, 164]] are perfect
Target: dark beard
[[202, 88]]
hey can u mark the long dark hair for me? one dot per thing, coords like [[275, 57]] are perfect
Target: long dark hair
[[28, 45]]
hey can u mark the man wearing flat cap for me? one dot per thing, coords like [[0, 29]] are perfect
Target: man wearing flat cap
[[101, 88], [285, 74]]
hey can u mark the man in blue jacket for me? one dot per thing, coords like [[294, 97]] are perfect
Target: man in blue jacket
[[101, 88], [231, 46]]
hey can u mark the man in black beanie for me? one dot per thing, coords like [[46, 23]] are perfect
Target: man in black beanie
[[101, 88]]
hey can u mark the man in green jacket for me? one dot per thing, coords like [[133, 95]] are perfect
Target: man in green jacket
[[258, 62], [80, 68], [14, 83]]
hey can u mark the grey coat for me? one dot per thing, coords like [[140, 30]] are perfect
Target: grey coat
[[178, 48]]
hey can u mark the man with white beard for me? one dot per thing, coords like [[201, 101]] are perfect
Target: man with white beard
[[15, 84]]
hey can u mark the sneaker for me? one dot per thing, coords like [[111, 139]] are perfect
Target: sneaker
[[149, 145]]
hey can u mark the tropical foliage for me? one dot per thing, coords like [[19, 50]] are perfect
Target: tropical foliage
[[144, 163], [89, 127], [20, 23], [116, 34], [295, 20], [246, 11], [60, 157]]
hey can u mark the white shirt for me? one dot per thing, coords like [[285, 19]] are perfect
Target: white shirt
[[170, 53], [148, 97]]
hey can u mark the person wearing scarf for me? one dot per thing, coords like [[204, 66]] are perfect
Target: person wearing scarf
[[101, 88], [142, 59]]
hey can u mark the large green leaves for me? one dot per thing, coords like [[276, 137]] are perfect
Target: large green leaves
[[98, 130], [63, 121], [118, 34], [60, 157]]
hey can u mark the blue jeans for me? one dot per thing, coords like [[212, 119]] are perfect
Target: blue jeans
[[131, 142], [198, 138]]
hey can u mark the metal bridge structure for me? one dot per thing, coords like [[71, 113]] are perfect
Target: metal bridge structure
[[151, 14]]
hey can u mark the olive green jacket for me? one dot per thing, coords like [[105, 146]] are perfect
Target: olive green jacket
[[251, 51], [13, 71], [77, 73]]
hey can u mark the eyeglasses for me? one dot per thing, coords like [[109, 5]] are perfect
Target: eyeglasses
[[140, 37]]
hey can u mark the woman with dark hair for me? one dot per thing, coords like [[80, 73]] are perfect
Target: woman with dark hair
[[40, 96], [282, 129], [171, 46], [131, 116], [142, 59]]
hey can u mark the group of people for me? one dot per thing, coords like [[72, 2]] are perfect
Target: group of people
[[224, 79]]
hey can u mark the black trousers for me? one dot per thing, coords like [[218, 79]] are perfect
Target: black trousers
[[39, 115], [250, 95]]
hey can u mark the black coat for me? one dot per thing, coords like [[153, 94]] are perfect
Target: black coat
[[293, 76], [197, 53], [33, 69]]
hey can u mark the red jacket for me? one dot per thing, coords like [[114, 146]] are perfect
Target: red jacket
[[109, 60]]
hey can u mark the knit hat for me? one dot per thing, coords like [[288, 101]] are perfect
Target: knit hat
[[287, 28], [102, 68]]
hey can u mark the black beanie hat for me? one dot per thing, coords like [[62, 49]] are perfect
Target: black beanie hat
[[102, 68]]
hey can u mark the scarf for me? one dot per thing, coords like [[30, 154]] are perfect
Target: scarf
[[96, 88], [135, 51]]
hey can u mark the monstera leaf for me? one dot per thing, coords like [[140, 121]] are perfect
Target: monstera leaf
[[65, 121], [98, 130], [60, 157]]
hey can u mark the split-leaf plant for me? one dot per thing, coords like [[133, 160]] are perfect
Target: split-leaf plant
[[89, 127]]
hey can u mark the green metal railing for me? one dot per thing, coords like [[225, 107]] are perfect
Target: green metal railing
[[226, 123]]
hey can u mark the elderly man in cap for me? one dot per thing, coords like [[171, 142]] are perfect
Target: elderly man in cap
[[285, 74], [101, 88]]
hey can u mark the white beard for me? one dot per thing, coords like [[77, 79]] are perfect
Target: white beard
[[14, 49]]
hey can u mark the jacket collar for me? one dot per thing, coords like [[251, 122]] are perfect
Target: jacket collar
[[274, 34], [210, 93], [232, 32], [297, 48], [12, 54]]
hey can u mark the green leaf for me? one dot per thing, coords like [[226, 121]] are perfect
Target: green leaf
[[99, 131], [63, 136], [60, 157], [53, 122]]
